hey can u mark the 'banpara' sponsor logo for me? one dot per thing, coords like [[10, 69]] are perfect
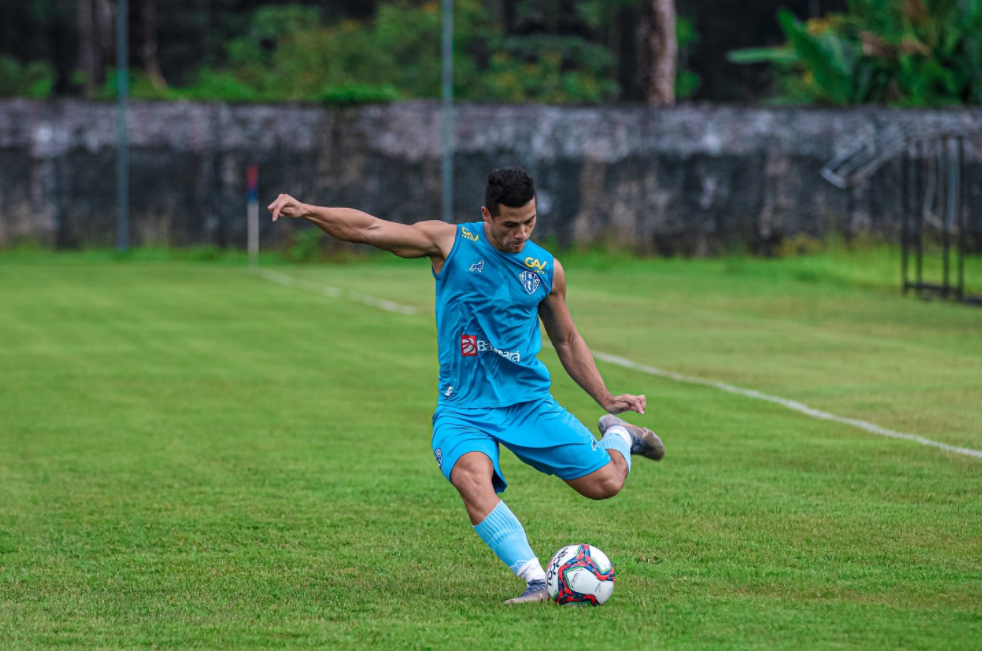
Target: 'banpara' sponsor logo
[[470, 346], [510, 355]]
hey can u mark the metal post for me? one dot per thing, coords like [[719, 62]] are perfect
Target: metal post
[[122, 139], [962, 219], [922, 182], [907, 203], [252, 215], [942, 208], [952, 207], [446, 114]]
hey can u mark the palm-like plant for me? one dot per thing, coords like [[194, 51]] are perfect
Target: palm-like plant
[[911, 53]]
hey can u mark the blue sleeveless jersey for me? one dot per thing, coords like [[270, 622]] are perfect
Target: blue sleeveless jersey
[[487, 322]]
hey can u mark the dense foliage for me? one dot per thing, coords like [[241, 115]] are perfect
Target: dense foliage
[[287, 54], [910, 53], [550, 51]]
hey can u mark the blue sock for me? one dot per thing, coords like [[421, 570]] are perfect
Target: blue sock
[[505, 535], [617, 438]]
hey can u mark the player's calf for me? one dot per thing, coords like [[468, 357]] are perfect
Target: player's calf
[[497, 526]]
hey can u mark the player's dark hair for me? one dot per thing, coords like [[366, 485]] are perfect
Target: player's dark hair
[[509, 186]]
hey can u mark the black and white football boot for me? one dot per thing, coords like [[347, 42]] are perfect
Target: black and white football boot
[[643, 441], [536, 591]]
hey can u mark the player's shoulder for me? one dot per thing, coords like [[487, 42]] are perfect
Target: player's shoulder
[[471, 231], [436, 227], [440, 233]]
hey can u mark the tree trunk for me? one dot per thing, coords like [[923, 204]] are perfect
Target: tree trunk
[[657, 52], [88, 53], [147, 48], [95, 32]]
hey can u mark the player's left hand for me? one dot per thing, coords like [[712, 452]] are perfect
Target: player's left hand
[[625, 402]]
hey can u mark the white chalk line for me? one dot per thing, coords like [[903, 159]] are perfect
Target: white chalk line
[[784, 402], [336, 292], [390, 306]]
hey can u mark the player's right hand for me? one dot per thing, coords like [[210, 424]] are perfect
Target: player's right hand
[[625, 402], [286, 206]]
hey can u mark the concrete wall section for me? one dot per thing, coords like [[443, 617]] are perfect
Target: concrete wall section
[[690, 180]]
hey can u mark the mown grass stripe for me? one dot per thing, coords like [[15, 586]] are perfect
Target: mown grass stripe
[[801, 408]]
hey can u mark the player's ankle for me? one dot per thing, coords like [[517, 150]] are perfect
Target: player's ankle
[[621, 431], [532, 571]]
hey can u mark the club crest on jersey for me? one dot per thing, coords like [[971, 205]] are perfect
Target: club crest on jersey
[[530, 281], [477, 266], [466, 233], [439, 458]]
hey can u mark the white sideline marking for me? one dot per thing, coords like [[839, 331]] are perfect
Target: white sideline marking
[[335, 292], [799, 407], [784, 402]]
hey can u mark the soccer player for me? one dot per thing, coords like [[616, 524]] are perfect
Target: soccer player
[[493, 284]]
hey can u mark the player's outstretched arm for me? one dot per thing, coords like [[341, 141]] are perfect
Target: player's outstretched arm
[[430, 238], [573, 352]]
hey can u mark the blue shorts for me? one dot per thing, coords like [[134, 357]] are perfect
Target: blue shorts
[[540, 433]]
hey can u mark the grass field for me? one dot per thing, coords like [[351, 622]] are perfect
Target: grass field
[[193, 456]]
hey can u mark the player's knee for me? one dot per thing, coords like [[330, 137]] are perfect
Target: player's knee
[[471, 475], [467, 482]]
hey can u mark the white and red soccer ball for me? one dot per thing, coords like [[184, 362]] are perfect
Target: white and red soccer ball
[[580, 575]]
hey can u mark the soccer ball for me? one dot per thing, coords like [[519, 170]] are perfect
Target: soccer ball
[[579, 575]]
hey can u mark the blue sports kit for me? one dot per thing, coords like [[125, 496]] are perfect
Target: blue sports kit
[[493, 389]]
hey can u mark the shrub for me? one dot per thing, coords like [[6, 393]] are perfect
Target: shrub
[[35, 80]]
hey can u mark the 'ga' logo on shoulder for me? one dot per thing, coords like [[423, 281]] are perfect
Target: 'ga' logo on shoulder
[[533, 263], [466, 233]]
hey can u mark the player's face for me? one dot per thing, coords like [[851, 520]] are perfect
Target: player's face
[[511, 228]]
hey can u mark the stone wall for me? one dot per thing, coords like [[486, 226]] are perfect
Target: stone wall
[[690, 180]]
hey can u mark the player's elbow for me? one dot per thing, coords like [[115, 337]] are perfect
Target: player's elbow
[[563, 344], [370, 234]]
